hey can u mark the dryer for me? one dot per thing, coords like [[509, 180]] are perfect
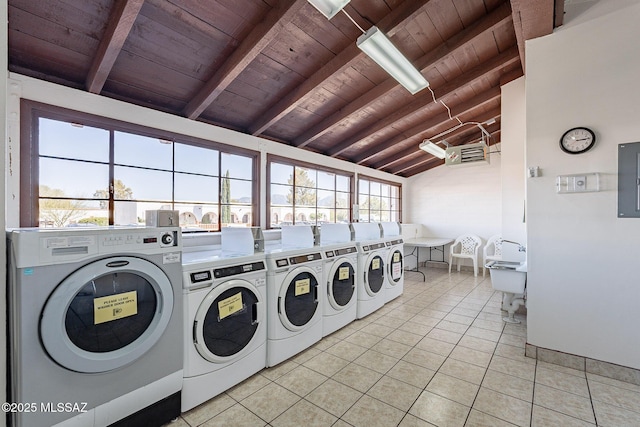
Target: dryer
[[225, 322], [95, 319], [294, 306], [372, 257], [394, 284]]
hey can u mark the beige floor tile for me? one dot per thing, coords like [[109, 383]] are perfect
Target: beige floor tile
[[509, 385], [463, 370], [561, 381], [401, 314], [513, 367], [615, 396], [248, 387], [613, 382], [306, 355], [424, 358], [480, 419], [439, 411], [435, 314], [357, 377], [515, 353], [488, 324], [346, 350], [563, 402], [301, 380], [334, 397], [208, 410], [236, 416], [469, 355], [514, 340], [413, 421], [377, 329], [485, 334], [458, 318], [391, 348], [559, 368], [415, 328], [443, 335], [445, 308], [370, 412], [312, 415], [425, 320], [343, 333], [467, 312], [326, 364], [326, 342], [435, 346], [614, 416], [477, 344], [404, 337], [178, 422], [270, 401], [395, 392], [411, 374], [503, 407], [543, 417], [276, 372], [363, 339], [453, 389], [377, 361], [447, 325], [515, 329], [392, 322]]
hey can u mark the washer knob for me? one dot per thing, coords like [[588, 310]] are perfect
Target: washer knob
[[167, 238]]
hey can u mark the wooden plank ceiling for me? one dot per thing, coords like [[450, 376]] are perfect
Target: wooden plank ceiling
[[281, 70]]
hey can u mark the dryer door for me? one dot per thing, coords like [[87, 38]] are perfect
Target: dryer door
[[298, 298], [227, 321], [106, 314], [395, 262], [341, 283], [374, 274]]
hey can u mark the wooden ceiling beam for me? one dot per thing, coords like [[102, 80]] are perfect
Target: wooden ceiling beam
[[430, 124], [503, 60], [397, 19], [121, 19], [247, 51], [498, 18], [531, 19]]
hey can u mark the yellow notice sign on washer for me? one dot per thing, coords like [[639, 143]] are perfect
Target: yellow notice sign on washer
[[343, 273], [303, 287], [396, 257], [375, 264], [230, 305], [114, 307]]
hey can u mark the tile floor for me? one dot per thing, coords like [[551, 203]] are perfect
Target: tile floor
[[439, 355]]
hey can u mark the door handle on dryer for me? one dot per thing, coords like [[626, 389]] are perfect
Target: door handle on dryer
[[256, 313]]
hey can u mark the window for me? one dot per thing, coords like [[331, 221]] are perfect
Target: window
[[88, 171], [378, 201], [305, 194]]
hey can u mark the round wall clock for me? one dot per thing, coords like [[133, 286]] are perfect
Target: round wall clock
[[577, 140]]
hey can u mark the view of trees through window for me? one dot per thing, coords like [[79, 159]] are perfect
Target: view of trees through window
[[378, 201]]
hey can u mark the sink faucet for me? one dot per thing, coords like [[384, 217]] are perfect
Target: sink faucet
[[521, 248]]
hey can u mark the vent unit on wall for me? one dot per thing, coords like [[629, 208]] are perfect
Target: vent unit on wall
[[467, 155]]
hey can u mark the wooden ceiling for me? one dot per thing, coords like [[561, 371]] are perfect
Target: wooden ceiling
[[280, 70]]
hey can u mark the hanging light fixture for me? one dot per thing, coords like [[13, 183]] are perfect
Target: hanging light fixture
[[379, 48], [329, 8], [433, 149]]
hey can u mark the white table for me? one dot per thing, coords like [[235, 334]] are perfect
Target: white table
[[433, 243]]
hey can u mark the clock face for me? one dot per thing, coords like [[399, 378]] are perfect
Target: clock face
[[577, 140]]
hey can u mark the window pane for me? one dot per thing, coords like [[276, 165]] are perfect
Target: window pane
[[281, 195], [62, 139], [325, 215], [198, 217], [384, 216], [342, 200], [364, 215], [281, 216], [394, 204], [137, 150], [69, 178], [395, 191], [385, 190], [238, 166], [374, 188], [395, 216], [195, 188], [305, 197], [363, 186], [304, 216], [342, 215], [326, 198], [305, 177], [146, 184], [240, 191], [326, 180], [384, 203], [343, 183], [72, 213], [281, 174], [189, 158], [363, 201]]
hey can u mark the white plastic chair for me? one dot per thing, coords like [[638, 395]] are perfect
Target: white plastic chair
[[465, 246], [492, 251]]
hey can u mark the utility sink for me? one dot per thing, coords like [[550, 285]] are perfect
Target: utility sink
[[508, 276]]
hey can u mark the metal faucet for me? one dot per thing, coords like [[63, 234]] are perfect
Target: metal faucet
[[521, 248]]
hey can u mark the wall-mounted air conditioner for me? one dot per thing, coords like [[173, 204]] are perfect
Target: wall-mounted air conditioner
[[467, 155]]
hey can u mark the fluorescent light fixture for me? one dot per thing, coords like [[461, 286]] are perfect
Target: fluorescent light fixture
[[329, 8], [432, 148], [375, 44]]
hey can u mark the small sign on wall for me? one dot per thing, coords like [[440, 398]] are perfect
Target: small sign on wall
[[629, 180]]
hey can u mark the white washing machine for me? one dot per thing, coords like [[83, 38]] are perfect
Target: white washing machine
[[294, 303], [225, 323], [372, 258], [340, 274], [394, 284], [95, 321]]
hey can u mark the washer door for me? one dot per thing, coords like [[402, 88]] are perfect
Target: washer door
[[374, 274], [298, 298], [341, 285], [227, 321], [395, 263], [106, 314]]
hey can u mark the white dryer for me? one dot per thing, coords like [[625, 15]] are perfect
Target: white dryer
[[372, 258], [294, 306], [95, 319], [340, 274], [394, 284], [225, 323]]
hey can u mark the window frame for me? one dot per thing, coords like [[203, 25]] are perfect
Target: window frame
[[32, 111], [272, 158], [380, 181]]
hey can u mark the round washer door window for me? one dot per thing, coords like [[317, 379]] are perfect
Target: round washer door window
[[396, 264], [342, 284], [374, 276], [106, 314], [298, 298], [227, 321]]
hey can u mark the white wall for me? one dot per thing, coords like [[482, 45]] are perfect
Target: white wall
[[583, 284], [3, 256]]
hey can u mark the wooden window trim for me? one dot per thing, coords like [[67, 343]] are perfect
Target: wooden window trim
[[383, 181]]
